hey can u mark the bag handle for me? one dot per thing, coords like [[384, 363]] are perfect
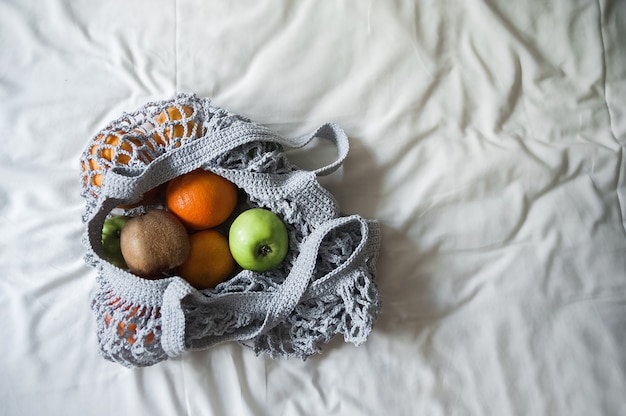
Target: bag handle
[[120, 182], [331, 132], [271, 308]]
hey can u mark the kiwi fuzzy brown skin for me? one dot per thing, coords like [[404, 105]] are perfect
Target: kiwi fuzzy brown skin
[[154, 243]]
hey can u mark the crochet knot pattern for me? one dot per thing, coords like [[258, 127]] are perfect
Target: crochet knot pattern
[[324, 287]]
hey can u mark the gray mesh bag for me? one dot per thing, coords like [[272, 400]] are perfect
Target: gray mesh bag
[[325, 286]]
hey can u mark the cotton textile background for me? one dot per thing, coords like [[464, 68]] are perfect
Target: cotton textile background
[[486, 136]]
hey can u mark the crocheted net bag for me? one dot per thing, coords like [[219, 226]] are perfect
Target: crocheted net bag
[[324, 287]]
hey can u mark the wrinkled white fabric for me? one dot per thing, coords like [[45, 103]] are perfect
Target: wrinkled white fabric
[[486, 136]]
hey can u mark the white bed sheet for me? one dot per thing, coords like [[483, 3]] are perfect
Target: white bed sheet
[[486, 136]]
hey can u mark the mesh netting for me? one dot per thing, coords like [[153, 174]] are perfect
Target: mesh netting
[[325, 286]]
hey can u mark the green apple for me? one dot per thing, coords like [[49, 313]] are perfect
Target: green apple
[[111, 231], [258, 240]]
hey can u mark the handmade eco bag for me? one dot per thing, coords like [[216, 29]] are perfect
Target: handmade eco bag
[[324, 287]]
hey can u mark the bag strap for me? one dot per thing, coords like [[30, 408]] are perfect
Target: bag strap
[[120, 183], [272, 308], [331, 132]]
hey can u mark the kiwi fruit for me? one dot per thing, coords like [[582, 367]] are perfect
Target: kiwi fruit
[[154, 243]]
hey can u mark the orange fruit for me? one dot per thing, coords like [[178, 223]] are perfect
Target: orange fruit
[[128, 331], [177, 129], [177, 125], [201, 199], [209, 262], [104, 153], [115, 153], [109, 153]]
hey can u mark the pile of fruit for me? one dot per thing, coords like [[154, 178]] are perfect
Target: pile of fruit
[[196, 231], [192, 226]]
